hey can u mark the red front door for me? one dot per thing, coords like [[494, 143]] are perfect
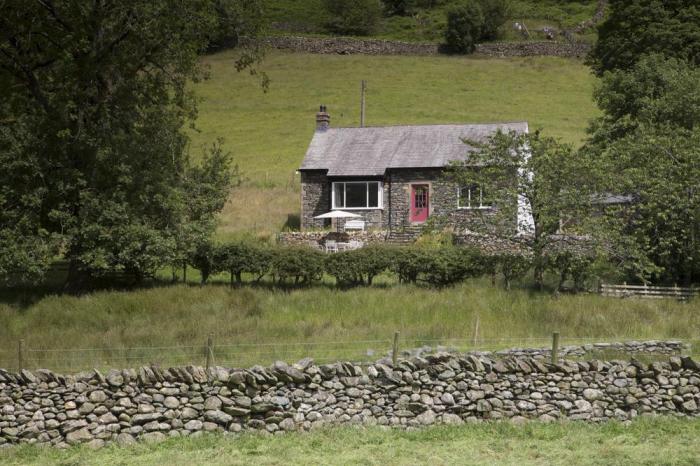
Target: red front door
[[420, 202]]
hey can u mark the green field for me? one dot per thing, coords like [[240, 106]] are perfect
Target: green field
[[648, 441], [268, 132], [258, 325]]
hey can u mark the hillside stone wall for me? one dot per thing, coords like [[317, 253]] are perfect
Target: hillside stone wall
[[151, 404], [351, 46]]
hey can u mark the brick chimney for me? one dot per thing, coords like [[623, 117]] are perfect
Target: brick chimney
[[323, 119]]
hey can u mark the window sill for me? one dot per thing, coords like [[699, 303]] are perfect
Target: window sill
[[475, 208], [357, 208]]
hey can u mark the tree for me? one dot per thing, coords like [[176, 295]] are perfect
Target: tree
[[354, 17], [530, 172], [465, 22], [635, 28], [646, 142], [94, 101], [496, 12]]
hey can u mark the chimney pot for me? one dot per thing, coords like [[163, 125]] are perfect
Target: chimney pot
[[323, 119]]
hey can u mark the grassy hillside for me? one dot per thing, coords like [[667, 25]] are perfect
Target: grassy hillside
[[427, 23], [259, 325], [644, 441], [268, 132]]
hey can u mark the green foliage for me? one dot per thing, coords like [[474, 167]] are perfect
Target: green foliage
[[656, 91], [634, 28], [93, 105], [353, 17], [571, 265], [300, 265], [449, 265], [360, 266], [646, 146], [465, 24], [495, 12], [542, 175], [408, 263], [241, 257], [512, 266], [204, 258], [470, 21]]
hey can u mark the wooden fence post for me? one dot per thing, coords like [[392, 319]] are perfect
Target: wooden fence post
[[20, 356], [210, 351], [395, 349], [555, 347], [476, 332]]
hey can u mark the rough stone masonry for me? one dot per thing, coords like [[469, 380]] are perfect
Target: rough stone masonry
[[151, 404]]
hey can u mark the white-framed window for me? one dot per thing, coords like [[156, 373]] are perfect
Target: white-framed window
[[350, 195], [473, 196]]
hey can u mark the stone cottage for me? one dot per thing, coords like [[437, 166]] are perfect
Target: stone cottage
[[392, 175]]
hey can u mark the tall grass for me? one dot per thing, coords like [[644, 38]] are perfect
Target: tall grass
[[323, 322]]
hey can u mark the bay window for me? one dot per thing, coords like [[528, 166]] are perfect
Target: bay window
[[357, 195]]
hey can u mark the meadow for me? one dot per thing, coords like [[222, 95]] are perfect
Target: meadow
[[268, 132], [169, 325], [646, 441]]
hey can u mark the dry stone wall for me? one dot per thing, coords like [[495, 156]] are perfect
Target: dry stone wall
[[151, 404], [350, 46]]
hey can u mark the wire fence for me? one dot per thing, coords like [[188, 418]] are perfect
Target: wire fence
[[211, 352]]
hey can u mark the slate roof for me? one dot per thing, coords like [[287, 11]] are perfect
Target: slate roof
[[370, 151]]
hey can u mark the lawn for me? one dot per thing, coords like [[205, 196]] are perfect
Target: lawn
[[268, 132], [647, 441], [169, 325]]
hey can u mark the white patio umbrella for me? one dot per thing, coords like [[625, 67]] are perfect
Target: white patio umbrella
[[338, 214]]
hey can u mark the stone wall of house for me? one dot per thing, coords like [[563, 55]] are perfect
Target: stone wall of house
[[315, 198], [443, 200], [151, 403], [350, 46]]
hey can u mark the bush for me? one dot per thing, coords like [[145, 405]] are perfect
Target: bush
[[397, 7], [361, 266], [243, 257], [354, 17], [301, 265], [450, 265], [496, 12], [465, 24], [512, 266], [203, 258], [569, 265], [408, 262], [474, 20]]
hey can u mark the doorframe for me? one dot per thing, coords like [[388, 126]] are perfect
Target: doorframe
[[429, 184]]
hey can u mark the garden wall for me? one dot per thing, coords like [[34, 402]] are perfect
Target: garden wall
[[151, 404]]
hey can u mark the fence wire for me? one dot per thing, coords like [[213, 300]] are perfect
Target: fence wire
[[230, 354]]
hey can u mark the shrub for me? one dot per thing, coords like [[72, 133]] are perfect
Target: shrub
[[397, 7], [570, 265], [496, 13], [243, 257], [203, 258], [465, 23], [408, 262], [361, 266], [301, 265], [512, 266], [354, 17], [450, 265]]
